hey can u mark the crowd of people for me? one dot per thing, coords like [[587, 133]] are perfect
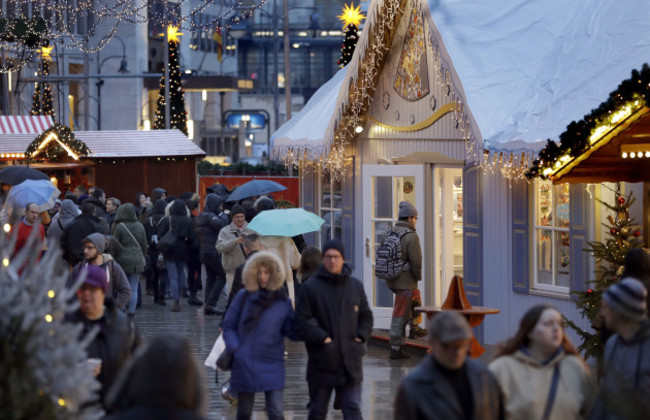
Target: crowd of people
[[269, 289]]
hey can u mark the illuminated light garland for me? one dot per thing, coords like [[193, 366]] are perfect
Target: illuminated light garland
[[629, 98], [63, 143], [22, 34], [177, 113], [42, 101]]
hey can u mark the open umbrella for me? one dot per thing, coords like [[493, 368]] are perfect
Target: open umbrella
[[39, 191], [14, 175], [254, 188], [285, 222]]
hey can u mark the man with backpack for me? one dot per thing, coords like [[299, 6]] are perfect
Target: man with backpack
[[399, 262]]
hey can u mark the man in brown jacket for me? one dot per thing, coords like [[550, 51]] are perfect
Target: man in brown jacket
[[405, 285]]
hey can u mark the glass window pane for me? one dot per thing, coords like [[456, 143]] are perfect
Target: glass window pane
[[383, 205], [562, 261], [338, 225], [561, 203], [326, 228], [406, 189], [383, 295], [544, 251], [326, 190], [544, 203], [380, 229], [336, 192]]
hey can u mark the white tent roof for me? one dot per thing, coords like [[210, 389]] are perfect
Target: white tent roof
[[527, 67], [530, 67], [306, 130]]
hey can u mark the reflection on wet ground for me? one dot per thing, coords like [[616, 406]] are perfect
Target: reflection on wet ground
[[382, 375]]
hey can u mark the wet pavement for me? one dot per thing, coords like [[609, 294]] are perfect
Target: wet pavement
[[381, 374]]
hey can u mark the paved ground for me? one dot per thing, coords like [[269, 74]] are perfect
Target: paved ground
[[382, 375]]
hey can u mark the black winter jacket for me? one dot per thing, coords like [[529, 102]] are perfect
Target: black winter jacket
[[114, 343], [426, 394], [208, 224], [182, 227], [151, 225], [82, 226], [335, 306], [99, 207]]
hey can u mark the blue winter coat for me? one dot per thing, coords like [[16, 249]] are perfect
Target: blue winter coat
[[258, 362]]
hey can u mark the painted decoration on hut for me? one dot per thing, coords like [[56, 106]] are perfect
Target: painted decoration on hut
[[412, 78]]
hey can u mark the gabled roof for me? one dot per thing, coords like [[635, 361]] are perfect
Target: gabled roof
[[329, 118], [121, 144]]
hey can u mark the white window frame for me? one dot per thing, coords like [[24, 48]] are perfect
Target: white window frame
[[332, 210], [536, 228]]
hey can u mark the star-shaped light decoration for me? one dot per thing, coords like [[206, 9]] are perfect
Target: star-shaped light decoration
[[351, 15], [46, 52], [173, 34]]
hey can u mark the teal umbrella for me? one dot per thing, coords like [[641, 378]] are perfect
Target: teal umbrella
[[285, 222]]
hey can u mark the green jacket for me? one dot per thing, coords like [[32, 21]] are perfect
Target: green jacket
[[133, 246], [411, 252]]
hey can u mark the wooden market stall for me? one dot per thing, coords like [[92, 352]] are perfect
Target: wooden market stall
[[122, 163]]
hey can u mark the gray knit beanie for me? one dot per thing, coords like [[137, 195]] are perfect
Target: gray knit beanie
[[407, 209], [627, 298]]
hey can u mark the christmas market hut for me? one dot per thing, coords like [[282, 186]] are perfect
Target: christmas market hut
[[392, 125], [122, 163], [446, 105]]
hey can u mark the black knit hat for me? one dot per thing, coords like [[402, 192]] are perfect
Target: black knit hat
[[237, 209], [334, 244]]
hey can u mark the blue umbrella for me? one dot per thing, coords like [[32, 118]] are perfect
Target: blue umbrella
[[285, 222], [254, 188], [39, 191]]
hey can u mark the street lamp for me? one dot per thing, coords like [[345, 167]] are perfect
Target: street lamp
[[123, 69]]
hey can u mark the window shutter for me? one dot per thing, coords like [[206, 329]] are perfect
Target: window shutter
[[308, 190], [579, 231], [347, 218], [520, 234], [472, 232], [473, 238]]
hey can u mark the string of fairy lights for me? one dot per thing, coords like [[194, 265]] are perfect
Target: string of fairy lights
[[89, 25], [365, 69]]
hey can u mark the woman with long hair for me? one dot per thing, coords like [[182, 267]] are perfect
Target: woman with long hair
[[254, 328], [310, 259], [541, 374]]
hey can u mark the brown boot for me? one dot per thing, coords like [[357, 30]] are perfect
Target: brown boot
[[177, 306]]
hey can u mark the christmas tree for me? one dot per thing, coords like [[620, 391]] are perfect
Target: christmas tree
[[177, 113], [623, 235], [351, 18], [42, 103], [42, 369]]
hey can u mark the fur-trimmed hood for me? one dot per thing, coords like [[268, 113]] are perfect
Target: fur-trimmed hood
[[274, 265]]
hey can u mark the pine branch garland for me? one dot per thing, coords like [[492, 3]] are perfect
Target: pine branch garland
[[575, 140]]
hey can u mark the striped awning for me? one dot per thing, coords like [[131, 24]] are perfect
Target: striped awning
[[24, 124]]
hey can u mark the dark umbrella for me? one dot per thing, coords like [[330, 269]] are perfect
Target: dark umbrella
[[254, 188], [14, 175], [219, 189]]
